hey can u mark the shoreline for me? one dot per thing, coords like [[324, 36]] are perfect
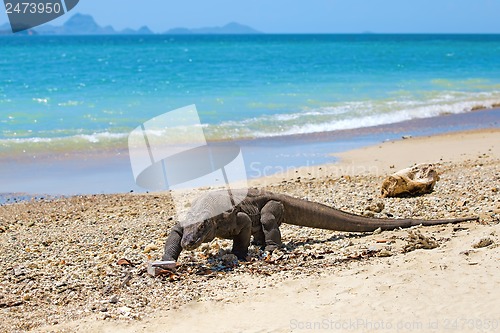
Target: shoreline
[[389, 156], [109, 172]]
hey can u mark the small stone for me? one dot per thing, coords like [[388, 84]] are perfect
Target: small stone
[[125, 311], [19, 270], [103, 309], [114, 299], [384, 253], [150, 247], [368, 213], [230, 260], [377, 231]]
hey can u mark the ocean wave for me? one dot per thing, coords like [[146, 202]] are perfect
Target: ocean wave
[[357, 114], [80, 142], [340, 116]]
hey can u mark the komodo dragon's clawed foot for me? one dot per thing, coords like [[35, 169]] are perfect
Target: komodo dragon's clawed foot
[[242, 256]]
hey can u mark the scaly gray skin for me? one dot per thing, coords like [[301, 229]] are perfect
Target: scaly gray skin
[[261, 213]]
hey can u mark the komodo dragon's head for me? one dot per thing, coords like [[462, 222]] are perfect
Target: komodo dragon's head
[[204, 222], [194, 234]]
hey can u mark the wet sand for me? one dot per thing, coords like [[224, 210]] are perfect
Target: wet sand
[[95, 170]]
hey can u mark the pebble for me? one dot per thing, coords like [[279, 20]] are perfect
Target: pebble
[[114, 299], [149, 248]]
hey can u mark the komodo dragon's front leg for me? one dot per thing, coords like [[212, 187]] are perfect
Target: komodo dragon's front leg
[[173, 244], [271, 217]]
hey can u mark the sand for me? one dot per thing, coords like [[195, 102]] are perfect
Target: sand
[[60, 268]]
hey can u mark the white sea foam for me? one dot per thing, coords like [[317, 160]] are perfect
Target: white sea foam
[[351, 115], [79, 138]]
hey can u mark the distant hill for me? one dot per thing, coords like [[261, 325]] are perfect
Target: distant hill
[[81, 24], [232, 28], [78, 24]]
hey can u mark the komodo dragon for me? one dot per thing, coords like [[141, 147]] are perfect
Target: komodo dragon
[[260, 214]]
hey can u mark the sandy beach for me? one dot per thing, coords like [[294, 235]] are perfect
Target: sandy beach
[[78, 264]]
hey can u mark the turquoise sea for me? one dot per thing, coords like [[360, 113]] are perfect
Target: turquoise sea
[[88, 92]]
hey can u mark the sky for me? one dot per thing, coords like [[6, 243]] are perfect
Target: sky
[[297, 16]]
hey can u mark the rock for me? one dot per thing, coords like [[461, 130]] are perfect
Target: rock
[[417, 180], [19, 270], [125, 311], [114, 299], [230, 260], [385, 253]]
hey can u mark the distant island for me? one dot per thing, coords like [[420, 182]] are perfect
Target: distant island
[[232, 28], [81, 24]]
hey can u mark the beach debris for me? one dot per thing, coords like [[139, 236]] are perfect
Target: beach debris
[[417, 180], [416, 240], [10, 304], [124, 262], [161, 268], [483, 242], [376, 207]]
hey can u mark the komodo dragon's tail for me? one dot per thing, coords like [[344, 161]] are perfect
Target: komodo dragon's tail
[[316, 215]]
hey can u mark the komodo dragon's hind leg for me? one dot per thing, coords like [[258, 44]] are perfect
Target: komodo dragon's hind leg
[[271, 217]]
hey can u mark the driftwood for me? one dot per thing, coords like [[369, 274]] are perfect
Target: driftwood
[[417, 180]]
